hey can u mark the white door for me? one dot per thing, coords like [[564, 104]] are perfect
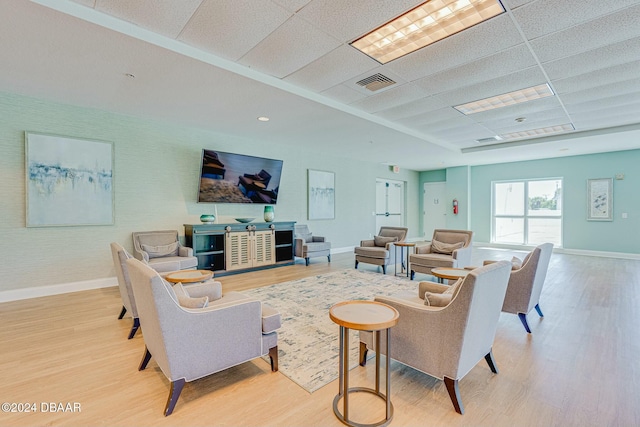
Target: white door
[[436, 207], [389, 203]]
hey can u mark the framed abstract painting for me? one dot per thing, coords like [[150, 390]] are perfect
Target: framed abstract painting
[[69, 181], [321, 194], [600, 199]]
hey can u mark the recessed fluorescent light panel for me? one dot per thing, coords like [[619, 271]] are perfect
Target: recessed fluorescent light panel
[[538, 132], [426, 24], [504, 100]]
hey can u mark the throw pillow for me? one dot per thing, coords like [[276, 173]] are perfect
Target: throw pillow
[[186, 301], [437, 300], [382, 241], [516, 263], [438, 247], [453, 289], [162, 251]]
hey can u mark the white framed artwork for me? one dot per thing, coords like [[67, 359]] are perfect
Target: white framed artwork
[[600, 199], [69, 181], [321, 194]]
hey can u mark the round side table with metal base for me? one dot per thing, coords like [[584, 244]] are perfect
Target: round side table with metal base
[[363, 316]]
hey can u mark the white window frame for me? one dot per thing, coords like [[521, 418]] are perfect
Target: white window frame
[[525, 217]]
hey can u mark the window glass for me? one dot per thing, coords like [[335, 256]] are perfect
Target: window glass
[[509, 198]]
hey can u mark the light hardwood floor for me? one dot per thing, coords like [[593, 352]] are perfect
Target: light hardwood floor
[[579, 367]]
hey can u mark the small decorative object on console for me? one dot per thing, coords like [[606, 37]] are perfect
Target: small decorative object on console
[[268, 213], [208, 218], [244, 220]]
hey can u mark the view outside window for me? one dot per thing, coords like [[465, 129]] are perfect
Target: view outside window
[[527, 212]]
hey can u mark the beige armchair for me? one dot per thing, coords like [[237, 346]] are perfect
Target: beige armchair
[[191, 343], [447, 342], [120, 257], [448, 248], [380, 250], [309, 246], [163, 251], [526, 282]]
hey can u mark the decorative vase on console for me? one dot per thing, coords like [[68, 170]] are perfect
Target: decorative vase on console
[[268, 213], [207, 218]]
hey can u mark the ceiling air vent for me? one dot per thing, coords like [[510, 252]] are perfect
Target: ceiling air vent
[[491, 139], [376, 82]]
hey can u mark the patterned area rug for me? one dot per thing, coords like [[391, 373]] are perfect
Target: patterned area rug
[[308, 339]]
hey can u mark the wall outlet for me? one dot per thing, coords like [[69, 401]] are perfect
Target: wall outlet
[[624, 215]]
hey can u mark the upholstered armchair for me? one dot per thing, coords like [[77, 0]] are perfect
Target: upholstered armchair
[[446, 339], [380, 250], [191, 343], [163, 251], [526, 282], [448, 248], [309, 246], [120, 256]]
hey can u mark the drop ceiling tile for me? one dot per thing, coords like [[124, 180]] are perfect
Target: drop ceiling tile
[[619, 101], [413, 108], [231, 29], [615, 74], [588, 36], [487, 68], [333, 68], [430, 117], [607, 118], [449, 124], [514, 4], [292, 5], [520, 80], [343, 94], [548, 16], [596, 59], [390, 98], [348, 20], [602, 93], [534, 120], [166, 17], [462, 133], [290, 47], [484, 39]]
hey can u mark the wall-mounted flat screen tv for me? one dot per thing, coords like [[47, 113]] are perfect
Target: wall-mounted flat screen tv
[[238, 178]]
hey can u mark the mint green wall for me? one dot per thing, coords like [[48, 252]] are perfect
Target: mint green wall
[[619, 235], [155, 180], [458, 188]]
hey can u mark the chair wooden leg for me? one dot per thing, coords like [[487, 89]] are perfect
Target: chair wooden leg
[[329, 258], [454, 394], [174, 394], [122, 312], [273, 357], [523, 319], [306, 261], [539, 311], [363, 353], [413, 274], [145, 359], [491, 361], [356, 264], [384, 269], [134, 328]]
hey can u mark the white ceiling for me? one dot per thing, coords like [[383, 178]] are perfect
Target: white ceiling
[[219, 64]]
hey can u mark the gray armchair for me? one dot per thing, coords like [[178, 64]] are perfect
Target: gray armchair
[[120, 257], [191, 343], [447, 342], [163, 251], [309, 246], [525, 283], [448, 248], [380, 250]]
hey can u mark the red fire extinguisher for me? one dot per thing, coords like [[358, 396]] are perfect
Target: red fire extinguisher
[[455, 206]]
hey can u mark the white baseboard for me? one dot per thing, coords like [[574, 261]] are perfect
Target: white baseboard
[[63, 288], [568, 251]]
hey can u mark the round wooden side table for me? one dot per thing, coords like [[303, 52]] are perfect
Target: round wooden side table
[[189, 276], [449, 273], [403, 245], [363, 316]]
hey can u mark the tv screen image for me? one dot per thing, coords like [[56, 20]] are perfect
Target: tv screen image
[[238, 178]]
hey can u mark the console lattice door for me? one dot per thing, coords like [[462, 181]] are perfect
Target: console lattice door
[[238, 250], [265, 248]]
